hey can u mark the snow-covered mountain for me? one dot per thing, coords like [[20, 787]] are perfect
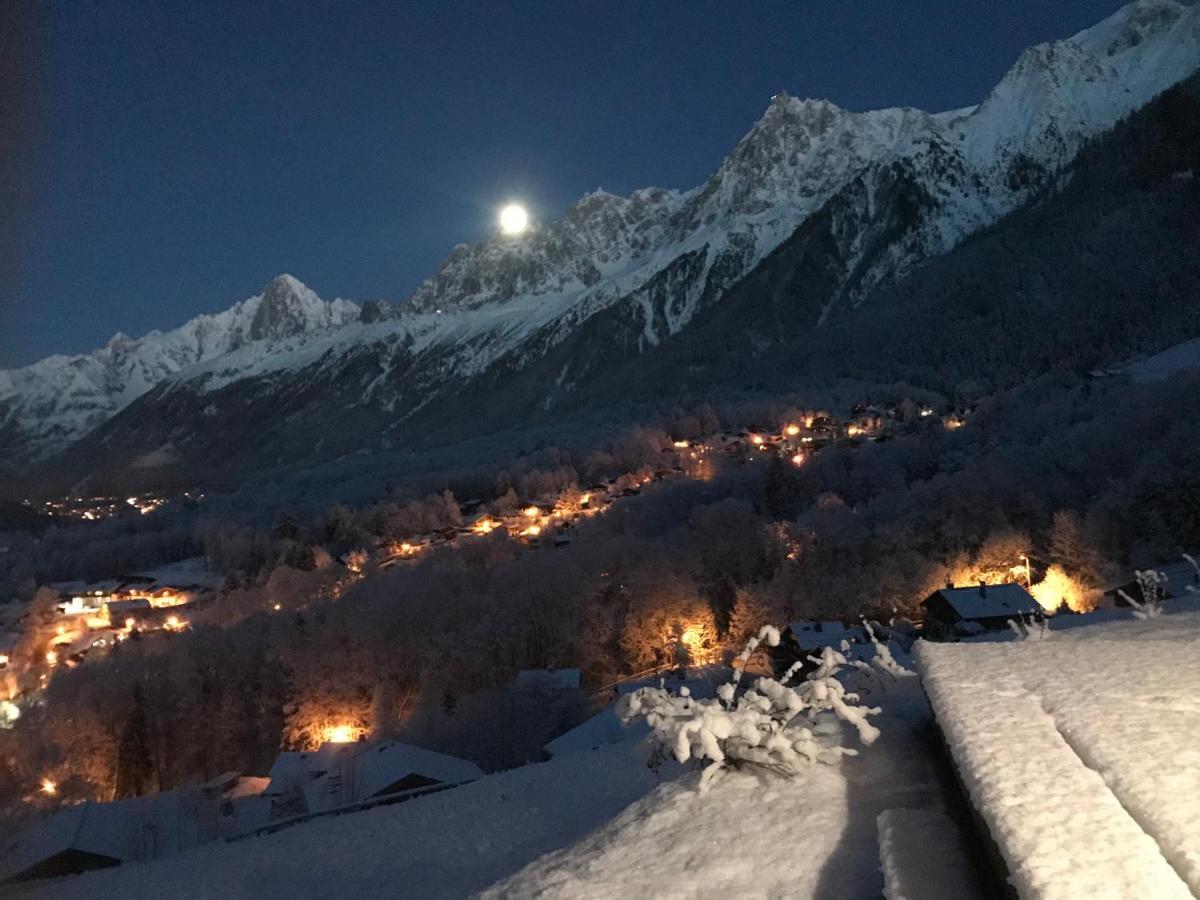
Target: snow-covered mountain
[[57, 400], [896, 187]]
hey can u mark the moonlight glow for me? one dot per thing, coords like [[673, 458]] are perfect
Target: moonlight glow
[[513, 219]]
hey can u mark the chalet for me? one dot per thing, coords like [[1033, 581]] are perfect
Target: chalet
[[1181, 576], [800, 640], [120, 610], [341, 774], [88, 836], [953, 612]]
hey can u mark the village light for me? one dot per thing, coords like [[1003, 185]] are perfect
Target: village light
[[340, 734], [51, 658], [798, 459], [793, 430], [129, 623], [49, 787], [530, 512], [277, 607], [756, 439], [682, 445]]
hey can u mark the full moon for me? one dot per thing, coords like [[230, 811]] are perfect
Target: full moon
[[513, 219]]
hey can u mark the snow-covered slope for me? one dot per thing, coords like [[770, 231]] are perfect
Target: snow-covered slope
[[59, 399], [1081, 748], [898, 187]]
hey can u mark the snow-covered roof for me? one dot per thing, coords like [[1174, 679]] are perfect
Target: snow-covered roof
[[377, 766], [293, 768], [338, 774], [1180, 575], [112, 830], [990, 601], [600, 730], [815, 635], [246, 786], [562, 679], [1079, 753]]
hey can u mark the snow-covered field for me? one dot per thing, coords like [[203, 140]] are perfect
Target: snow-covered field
[[1081, 753], [756, 835], [451, 844], [589, 823]]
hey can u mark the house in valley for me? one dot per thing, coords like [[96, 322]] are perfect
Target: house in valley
[[955, 612]]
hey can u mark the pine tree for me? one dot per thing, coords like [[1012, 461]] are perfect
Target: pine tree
[[135, 769], [1070, 549], [748, 615]]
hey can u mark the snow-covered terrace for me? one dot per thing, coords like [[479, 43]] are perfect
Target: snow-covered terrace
[[1080, 753]]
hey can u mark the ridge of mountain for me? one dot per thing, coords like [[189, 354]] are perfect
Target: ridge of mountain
[[900, 186]]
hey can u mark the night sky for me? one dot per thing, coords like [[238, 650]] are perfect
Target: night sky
[[165, 159]]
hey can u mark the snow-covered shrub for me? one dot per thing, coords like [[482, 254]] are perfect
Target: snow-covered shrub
[[1153, 587], [1030, 628], [883, 659], [770, 725]]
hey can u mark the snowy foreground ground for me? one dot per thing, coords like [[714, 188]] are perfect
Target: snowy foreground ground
[[1080, 752], [749, 836]]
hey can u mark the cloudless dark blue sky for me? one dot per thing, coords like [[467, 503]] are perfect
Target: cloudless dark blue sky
[[174, 156]]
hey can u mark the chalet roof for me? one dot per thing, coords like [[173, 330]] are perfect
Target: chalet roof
[[365, 771], [815, 635], [55, 834], [600, 730], [1179, 574], [376, 766], [293, 768], [114, 831], [221, 783], [992, 601], [561, 679]]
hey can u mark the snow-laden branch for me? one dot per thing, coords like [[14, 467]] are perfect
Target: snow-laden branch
[[767, 725], [1153, 587]]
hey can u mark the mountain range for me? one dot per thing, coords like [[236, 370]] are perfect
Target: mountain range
[[516, 327]]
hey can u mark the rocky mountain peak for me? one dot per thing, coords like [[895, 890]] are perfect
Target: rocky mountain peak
[[288, 307]]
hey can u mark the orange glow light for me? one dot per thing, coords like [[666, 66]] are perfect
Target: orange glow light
[[341, 734], [49, 788], [793, 430]]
